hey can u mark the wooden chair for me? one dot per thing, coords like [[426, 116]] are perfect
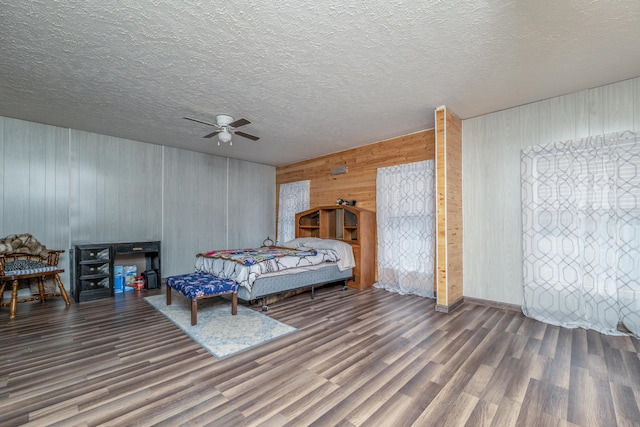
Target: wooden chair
[[17, 266]]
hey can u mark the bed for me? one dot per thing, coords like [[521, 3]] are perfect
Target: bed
[[298, 264]]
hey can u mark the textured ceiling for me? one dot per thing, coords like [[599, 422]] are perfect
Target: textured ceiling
[[313, 77]]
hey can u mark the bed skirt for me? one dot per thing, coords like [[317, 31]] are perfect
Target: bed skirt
[[276, 284]]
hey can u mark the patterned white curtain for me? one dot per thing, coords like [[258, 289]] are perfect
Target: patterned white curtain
[[405, 212], [294, 198], [581, 232]]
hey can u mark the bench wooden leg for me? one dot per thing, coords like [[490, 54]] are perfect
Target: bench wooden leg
[[13, 306], [194, 311], [3, 285], [234, 304], [63, 291], [168, 295], [41, 288]]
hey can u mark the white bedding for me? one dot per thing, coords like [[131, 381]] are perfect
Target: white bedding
[[344, 251]]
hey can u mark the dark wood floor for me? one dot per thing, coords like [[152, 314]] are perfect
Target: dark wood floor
[[358, 358]]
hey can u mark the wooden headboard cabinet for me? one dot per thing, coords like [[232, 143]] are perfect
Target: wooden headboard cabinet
[[353, 225]]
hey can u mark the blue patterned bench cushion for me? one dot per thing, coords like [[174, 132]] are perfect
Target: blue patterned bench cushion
[[198, 285]]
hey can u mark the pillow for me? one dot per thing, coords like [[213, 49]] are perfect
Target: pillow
[[344, 250], [301, 241]]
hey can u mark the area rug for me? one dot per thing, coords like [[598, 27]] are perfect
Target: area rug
[[217, 330]]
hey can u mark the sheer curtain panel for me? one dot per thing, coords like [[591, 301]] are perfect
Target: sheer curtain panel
[[294, 198], [405, 213], [581, 232]]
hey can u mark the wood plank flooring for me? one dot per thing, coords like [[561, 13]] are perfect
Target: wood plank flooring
[[359, 358]]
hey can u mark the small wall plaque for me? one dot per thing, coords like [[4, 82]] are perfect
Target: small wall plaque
[[339, 170]]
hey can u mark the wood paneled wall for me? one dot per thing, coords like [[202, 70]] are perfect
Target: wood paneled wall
[[359, 183], [449, 209]]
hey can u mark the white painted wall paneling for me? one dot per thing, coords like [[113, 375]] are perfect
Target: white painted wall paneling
[[67, 186], [252, 203], [2, 179], [116, 189], [491, 175], [195, 208], [35, 185]]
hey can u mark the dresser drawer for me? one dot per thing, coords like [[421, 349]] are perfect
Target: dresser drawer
[[95, 254], [94, 284], [132, 248], [94, 268]]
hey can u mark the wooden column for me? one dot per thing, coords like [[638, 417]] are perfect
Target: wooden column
[[449, 210]]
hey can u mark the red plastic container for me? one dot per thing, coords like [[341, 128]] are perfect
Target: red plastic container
[[138, 284]]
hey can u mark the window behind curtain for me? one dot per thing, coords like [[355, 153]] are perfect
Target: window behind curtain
[[294, 198], [405, 213], [581, 232]]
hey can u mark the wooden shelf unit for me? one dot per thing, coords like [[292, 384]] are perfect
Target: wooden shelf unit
[[352, 225]]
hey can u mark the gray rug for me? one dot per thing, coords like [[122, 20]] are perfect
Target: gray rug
[[217, 330]]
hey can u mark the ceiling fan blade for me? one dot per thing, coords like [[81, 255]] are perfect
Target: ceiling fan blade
[[199, 121], [246, 135], [239, 122], [212, 134]]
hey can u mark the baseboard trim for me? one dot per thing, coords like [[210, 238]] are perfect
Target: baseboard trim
[[449, 308], [494, 304]]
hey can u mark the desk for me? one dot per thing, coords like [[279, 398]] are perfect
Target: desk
[[92, 266]]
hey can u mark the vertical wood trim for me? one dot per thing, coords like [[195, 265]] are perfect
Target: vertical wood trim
[[453, 137], [448, 133], [441, 226]]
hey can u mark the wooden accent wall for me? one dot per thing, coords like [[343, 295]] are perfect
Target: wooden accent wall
[[359, 183], [449, 210]]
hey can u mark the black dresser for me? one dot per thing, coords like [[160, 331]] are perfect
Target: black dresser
[[92, 267]]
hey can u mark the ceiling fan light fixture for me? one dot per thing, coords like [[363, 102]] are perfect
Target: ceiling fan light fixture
[[224, 135], [226, 126]]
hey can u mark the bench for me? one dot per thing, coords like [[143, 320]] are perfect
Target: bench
[[200, 285], [18, 267]]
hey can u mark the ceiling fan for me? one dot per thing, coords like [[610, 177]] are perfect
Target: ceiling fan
[[226, 127]]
